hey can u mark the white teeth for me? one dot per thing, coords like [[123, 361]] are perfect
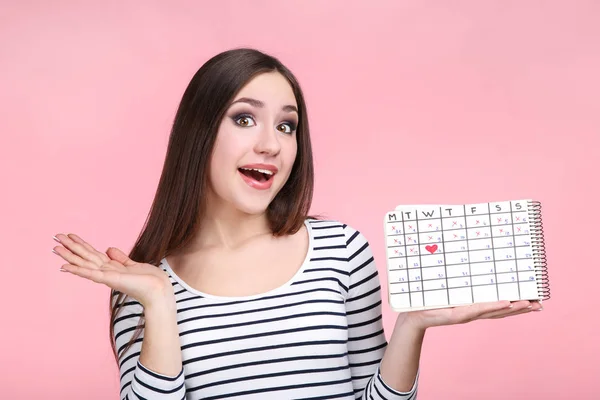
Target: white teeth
[[264, 171]]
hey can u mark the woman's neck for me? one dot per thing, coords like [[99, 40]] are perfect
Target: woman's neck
[[231, 230], [225, 227]]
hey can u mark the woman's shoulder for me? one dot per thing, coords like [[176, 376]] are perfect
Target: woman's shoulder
[[332, 228], [320, 225]]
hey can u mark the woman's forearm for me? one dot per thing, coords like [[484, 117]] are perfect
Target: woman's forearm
[[161, 349], [400, 362]]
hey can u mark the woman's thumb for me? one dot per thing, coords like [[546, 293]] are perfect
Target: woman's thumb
[[115, 254]]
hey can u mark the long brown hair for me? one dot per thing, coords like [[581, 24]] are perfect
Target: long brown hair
[[177, 208]]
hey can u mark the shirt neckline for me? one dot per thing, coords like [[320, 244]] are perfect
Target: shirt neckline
[[280, 288]]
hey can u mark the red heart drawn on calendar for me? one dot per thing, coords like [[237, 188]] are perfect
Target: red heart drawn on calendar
[[431, 249]]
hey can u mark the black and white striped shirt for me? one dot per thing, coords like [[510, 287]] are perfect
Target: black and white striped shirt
[[318, 336]]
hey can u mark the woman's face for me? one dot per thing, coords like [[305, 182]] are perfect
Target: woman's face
[[256, 145]]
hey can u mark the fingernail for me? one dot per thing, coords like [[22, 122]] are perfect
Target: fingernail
[[63, 270], [55, 238], [540, 309], [530, 306], [54, 252]]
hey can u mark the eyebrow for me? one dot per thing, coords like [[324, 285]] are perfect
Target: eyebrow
[[260, 104]]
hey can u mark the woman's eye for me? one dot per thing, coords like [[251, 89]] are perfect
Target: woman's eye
[[287, 128], [243, 120]]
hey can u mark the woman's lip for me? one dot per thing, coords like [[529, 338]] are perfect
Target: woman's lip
[[268, 167], [256, 184]]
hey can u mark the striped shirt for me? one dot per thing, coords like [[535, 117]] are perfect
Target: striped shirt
[[318, 336]]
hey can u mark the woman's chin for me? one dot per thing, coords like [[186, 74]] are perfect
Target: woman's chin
[[257, 207]]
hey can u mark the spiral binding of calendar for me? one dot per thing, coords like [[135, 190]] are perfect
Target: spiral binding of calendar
[[539, 249]]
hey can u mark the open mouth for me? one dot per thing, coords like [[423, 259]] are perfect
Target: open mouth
[[257, 174]]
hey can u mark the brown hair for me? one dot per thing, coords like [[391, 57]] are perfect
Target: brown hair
[[177, 208]]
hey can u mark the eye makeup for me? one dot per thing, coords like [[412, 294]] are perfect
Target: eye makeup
[[293, 125]]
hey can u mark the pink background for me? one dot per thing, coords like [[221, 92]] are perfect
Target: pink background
[[460, 101]]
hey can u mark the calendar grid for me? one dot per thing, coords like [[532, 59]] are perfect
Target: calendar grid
[[471, 257], [444, 253], [406, 260], [476, 262], [512, 223], [469, 253], [420, 261], [494, 255]]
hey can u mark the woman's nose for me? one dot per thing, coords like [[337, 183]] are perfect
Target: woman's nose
[[268, 142]]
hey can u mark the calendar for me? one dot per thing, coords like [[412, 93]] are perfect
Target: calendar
[[450, 255]]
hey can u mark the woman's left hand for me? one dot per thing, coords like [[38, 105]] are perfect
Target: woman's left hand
[[424, 319]]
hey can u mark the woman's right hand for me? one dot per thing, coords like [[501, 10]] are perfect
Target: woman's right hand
[[144, 282]]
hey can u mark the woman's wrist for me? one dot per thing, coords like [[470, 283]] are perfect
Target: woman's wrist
[[410, 321], [161, 305]]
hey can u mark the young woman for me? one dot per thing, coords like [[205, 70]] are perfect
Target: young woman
[[232, 290]]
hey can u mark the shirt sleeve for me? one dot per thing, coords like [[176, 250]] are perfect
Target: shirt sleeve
[[366, 339], [138, 382]]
